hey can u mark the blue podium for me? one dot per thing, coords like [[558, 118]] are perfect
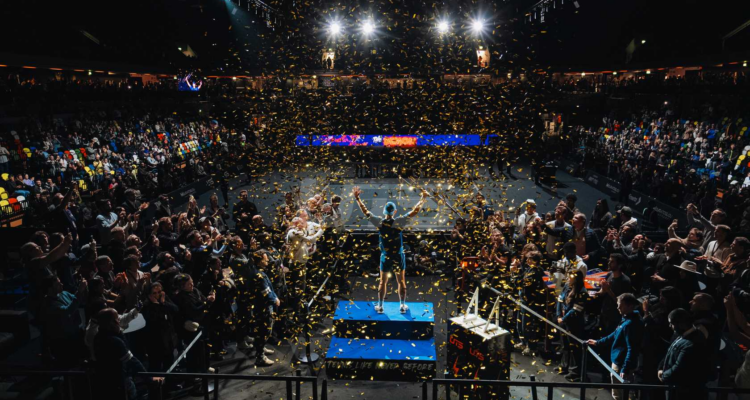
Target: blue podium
[[389, 346]]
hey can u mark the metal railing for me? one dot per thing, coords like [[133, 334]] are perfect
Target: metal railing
[[155, 393], [216, 377], [462, 385]]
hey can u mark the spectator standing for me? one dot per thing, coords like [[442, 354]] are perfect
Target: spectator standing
[[63, 323], [685, 362], [624, 342], [160, 314], [530, 285], [115, 365], [571, 307], [613, 285]]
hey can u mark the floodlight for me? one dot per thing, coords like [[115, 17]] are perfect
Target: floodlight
[[443, 26], [368, 27], [477, 26], [334, 28]]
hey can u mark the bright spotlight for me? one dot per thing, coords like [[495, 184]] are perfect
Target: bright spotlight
[[443, 27], [334, 28], [368, 27], [477, 26]]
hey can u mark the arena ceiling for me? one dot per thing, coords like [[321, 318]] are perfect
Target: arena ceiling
[[288, 36]]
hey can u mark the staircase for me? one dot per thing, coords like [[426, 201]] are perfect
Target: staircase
[[388, 347]]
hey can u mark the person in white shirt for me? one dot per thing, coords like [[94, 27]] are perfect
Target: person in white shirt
[[337, 216], [530, 215], [719, 250], [565, 267], [310, 228], [299, 242]]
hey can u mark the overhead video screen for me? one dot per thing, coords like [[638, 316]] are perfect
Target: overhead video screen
[[391, 140]]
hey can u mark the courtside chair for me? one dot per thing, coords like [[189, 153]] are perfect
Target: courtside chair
[[5, 208], [14, 204]]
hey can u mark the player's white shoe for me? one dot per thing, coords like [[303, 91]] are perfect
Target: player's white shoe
[[404, 308], [378, 309]]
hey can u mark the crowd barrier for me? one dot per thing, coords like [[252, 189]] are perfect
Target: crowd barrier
[[67, 385], [581, 342], [466, 385], [293, 385]]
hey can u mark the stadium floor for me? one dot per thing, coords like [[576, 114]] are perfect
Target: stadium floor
[[267, 193]]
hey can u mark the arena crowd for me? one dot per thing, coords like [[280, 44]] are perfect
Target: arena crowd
[[660, 303]]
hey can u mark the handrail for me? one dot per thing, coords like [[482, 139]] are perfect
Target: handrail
[[583, 343], [277, 378], [216, 377], [322, 285], [41, 373], [576, 385], [184, 352]]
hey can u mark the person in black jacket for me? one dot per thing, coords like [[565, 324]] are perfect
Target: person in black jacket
[[115, 364], [264, 300], [685, 363], [255, 300], [625, 342], [571, 306], [657, 334], [167, 237], [162, 207], [202, 253], [533, 291], [193, 306], [701, 307], [213, 281], [160, 314], [243, 213]]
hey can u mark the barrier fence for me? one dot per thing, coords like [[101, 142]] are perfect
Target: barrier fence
[[67, 392], [216, 378], [462, 388], [466, 385]]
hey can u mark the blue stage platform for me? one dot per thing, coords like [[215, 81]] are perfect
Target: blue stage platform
[[358, 319], [383, 349], [389, 346]]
